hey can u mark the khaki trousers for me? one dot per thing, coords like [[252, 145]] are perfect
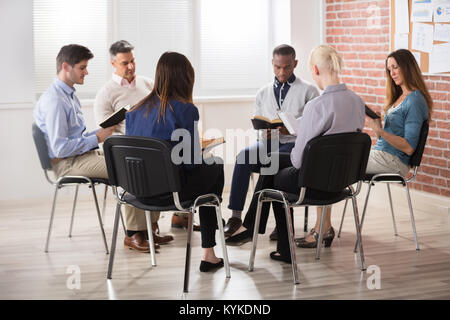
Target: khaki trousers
[[92, 164], [384, 162]]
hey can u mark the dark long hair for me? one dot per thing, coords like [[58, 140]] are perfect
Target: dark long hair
[[412, 77], [174, 79]]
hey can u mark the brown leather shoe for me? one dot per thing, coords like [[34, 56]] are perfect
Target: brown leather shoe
[[181, 221], [162, 239], [232, 226], [138, 242], [155, 227]]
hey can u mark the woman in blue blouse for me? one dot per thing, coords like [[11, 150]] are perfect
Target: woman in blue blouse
[[408, 105], [168, 112]]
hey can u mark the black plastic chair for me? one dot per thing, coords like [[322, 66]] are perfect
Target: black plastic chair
[[331, 163], [388, 178], [143, 168], [65, 181]]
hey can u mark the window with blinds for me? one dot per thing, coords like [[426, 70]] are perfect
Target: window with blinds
[[228, 42], [60, 22]]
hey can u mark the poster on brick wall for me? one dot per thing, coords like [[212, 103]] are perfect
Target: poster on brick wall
[[442, 11]]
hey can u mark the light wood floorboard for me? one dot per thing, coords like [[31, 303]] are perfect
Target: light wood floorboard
[[26, 272]]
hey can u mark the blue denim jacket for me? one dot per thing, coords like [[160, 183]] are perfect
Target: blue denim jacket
[[405, 121]]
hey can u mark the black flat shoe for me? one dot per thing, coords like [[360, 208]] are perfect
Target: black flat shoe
[[276, 256], [206, 266], [239, 239]]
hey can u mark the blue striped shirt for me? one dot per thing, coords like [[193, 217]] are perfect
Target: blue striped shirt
[[58, 114]]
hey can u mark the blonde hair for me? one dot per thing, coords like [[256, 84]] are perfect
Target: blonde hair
[[326, 58]]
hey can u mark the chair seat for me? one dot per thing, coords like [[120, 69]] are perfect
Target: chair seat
[[388, 178], [68, 180], [312, 197], [130, 199]]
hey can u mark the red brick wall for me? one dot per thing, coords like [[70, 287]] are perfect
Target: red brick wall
[[359, 30]]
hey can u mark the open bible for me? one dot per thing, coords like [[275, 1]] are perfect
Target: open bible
[[260, 122], [208, 144]]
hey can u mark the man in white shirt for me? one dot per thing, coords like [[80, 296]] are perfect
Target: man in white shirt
[[126, 88], [287, 94]]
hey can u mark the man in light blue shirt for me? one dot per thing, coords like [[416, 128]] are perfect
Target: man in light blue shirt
[[71, 148]]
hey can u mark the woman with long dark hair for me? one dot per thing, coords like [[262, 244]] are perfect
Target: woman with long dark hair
[[168, 108]]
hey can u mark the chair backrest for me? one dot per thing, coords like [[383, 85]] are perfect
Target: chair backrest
[[141, 166], [416, 157], [41, 147], [333, 162]]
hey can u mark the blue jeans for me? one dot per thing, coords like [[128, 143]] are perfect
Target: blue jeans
[[243, 169]]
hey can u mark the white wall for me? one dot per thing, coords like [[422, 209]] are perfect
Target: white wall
[[306, 32], [20, 172]]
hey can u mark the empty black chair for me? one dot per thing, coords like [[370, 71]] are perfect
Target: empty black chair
[[331, 165], [64, 181], [371, 179], [143, 168]]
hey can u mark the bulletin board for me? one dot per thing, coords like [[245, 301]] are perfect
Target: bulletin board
[[424, 56]]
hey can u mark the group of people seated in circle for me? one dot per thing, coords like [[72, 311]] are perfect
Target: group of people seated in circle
[[166, 104]]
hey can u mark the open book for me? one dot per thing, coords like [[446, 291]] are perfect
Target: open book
[[289, 121], [260, 122], [116, 117], [370, 113], [208, 144]]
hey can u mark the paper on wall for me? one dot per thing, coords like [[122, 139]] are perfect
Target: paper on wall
[[442, 32], [422, 11], [441, 11], [422, 37], [401, 16], [401, 41], [439, 58], [416, 56]]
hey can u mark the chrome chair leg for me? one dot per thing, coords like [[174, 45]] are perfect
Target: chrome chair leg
[[104, 204], [412, 218], [342, 218], [290, 229], [319, 241], [358, 233], [222, 239], [392, 209], [113, 241], [123, 223], [251, 263], [363, 215], [150, 238], [73, 210], [51, 218], [99, 217], [187, 264]]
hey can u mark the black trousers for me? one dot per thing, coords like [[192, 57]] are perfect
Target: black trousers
[[264, 182], [202, 179], [287, 180]]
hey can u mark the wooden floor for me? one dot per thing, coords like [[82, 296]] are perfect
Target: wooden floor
[[26, 272]]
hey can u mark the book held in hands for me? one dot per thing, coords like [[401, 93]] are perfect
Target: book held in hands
[[116, 118], [260, 122], [208, 144], [370, 113], [289, 121]]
